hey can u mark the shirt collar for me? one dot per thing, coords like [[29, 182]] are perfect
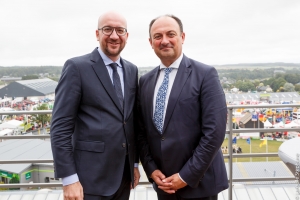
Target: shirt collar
[[107, 60], [175, 64]]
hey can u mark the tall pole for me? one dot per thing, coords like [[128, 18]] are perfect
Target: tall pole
[[267, 149], [250, 150], [230, 155]]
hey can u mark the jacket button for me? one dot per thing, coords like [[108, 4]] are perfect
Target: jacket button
[[162, 138], [123, 145], [124, 122]]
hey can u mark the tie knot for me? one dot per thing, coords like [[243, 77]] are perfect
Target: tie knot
[[168, 70], [113, 66]]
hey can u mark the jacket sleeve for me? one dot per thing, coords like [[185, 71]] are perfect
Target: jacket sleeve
[[143, 146], [213, 115], [67, 100]]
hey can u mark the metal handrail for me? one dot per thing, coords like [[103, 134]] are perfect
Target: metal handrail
[[229, 156], [231, 131], [58, 184]]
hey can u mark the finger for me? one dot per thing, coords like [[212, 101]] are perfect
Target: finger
[[159, 182], [169, 191], [165, 188], [168, 179], [136, 183], [161, 176]]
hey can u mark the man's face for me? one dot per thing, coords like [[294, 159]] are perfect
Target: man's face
[[113, 44], [166, 39]]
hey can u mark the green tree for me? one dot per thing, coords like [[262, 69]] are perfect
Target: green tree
[[289, 87], [42, 118], [292, 78], [29, 77], [246, 86], [15, 179], [297, 88], [256, 83], [275, 85]]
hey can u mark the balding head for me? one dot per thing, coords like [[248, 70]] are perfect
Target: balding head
[[106, 18]]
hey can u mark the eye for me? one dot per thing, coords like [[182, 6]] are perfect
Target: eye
[[171, 34], [107, 29], [120, 31], [156, 37]]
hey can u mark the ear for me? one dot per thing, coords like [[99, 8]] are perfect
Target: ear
[[97, 35], [182, 37], [150, 41]]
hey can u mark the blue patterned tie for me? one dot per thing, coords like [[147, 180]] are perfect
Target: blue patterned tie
[[160, 101], [117, 83]]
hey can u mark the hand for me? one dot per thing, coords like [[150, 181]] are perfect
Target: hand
[[136, 176], [73, 191], [158, 177], [177, 183]]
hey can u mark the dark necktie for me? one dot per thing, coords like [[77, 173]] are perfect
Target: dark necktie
[[160, 101], [117, 83]]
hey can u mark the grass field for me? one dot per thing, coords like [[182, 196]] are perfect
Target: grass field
[[272, 148]]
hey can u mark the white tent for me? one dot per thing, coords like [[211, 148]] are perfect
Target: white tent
[[12, 124], [267, 124], [292, 124], [6, 132], [278, 125]]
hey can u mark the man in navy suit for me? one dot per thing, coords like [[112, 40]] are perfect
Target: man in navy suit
[[182, 113], [92, 130]]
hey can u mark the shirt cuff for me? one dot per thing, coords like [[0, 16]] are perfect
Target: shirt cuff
[[136, 164], [70, 179], [181, 178]]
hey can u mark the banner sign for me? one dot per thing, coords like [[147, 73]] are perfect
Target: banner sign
[[254, 117], [5, 174], [28, 175]]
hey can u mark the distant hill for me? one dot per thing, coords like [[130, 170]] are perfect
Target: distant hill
[[259, 65], [19, 71]]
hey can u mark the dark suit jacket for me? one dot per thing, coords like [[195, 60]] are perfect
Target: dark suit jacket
[[89, 131], [194, 129]]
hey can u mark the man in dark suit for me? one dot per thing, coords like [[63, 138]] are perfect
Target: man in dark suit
[[92, 130], [182, 113]]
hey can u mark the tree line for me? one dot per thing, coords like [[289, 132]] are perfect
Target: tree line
[[25, 71], [252, 80], [244, 78]]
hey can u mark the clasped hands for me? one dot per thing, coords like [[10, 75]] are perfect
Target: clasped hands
[[168, 184]]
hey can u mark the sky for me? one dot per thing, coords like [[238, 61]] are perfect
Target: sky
[[48, 32]]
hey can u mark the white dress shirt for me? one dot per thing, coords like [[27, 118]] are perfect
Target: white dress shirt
[[172, 75]]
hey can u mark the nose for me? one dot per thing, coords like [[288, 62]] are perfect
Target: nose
[[114, 35], [164, 40]]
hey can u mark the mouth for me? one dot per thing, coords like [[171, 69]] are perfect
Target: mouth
[[114, 43], [165, 47]]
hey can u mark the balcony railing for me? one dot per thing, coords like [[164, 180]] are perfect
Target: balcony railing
[[229, 156]]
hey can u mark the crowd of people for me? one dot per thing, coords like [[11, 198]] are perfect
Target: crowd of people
[[235, 149]]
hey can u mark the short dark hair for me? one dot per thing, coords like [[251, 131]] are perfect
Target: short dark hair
[[172, 16]]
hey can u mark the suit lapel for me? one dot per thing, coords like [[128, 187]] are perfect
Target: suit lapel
[[127, 73], [102, 73], [182, 75], [151, 86]]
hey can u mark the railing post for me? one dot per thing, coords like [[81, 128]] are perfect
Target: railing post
[[230, 159]]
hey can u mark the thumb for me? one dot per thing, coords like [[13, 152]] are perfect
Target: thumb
[[161, 175], [168, 179]]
